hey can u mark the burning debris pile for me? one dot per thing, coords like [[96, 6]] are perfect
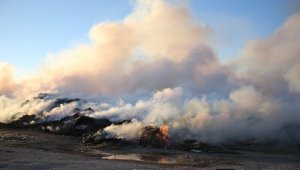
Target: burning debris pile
[[80, 122], [153, 136], [100, 123], [148, 136], [93, 131], [181, 82]]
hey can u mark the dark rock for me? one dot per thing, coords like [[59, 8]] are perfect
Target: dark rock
[[24, 103], [41, 96], [2, 125], [85, 124], [89, 110], [24, 122], [122, 122], [98, 137], [76, 125], [70, 118], [59, 102], [92, 122], [106, 138]]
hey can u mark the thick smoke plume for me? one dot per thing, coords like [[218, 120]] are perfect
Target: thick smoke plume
[[6, 79], [156, 67]]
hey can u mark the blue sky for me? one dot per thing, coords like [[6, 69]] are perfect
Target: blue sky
[[30, 29]]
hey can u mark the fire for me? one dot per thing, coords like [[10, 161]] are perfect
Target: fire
[[155, 136], [164, 129]]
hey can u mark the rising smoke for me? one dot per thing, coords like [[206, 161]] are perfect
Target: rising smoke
[[156, 66]]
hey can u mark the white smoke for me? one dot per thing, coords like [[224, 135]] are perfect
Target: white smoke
[[125, 131], [156, 67]]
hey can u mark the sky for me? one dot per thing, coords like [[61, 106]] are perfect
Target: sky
[[31, 29]]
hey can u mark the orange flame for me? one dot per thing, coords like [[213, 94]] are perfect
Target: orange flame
[[164, 129]]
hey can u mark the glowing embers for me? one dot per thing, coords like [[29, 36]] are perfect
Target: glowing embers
[[154, 136]]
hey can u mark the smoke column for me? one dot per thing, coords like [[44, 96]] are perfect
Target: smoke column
[[156, 66]]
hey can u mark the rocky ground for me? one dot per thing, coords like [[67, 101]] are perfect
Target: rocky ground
[[30, 149]]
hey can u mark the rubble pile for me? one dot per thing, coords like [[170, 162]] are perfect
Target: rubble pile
[[93, 130], [105, 139], [75, 125], [153, 136]]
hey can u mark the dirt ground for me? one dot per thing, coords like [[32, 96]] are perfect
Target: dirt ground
[[25, 149]]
